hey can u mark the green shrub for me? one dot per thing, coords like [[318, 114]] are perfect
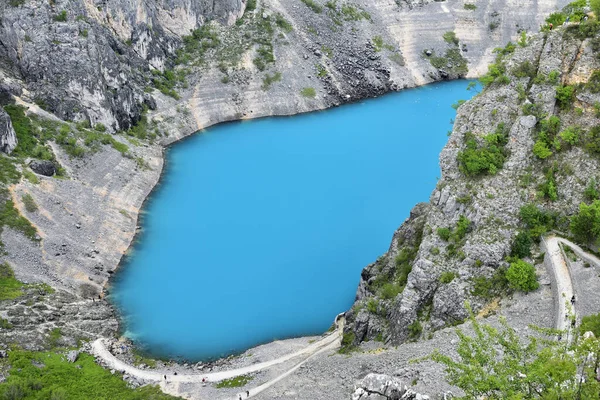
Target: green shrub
[[492, 287], [372, 305], [591, 323], [525, 70], [548, 189], [521, 276], [565, 95], [29, 203], [536, 221], [390, 290], [451, 38], [268, 80], [447, 277], [483, 159], [585, 225], [462, 227], [444, 233], [309, 92], [571, 135], [541, 150], [61, 17], [521, 245], [556, 19], [100, 127], [414, 330], [347, 345], [522, 39], [470, 7], [591, 191]]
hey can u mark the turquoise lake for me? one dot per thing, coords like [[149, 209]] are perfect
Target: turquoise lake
[[259, 229]]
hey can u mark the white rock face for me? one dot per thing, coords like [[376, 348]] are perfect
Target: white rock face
[[8, 138]]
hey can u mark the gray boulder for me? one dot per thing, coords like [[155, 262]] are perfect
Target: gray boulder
[[384, 387], [72, 356], [8, 138], [43, 167]]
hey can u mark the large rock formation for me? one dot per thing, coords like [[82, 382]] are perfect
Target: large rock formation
[[8, 138], [91, 60], [433, 271]]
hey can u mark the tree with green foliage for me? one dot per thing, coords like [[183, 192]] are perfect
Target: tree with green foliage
[[521, 276], [499, 364], [487, 158], [565, 95], [585, 225], [521, 246]]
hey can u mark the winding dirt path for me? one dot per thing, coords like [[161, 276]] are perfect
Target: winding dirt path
[[327, 343]]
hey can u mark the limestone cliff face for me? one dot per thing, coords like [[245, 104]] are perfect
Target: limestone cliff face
[[8, 138], [90, 60], [517, 106]]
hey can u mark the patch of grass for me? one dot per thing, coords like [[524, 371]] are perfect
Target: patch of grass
[[238, 381], [60, 379], [54, 337], [9, 216], [317, 8], [10, 287], [352, 13], [167, 81], [4, 324], [321, 71], [309, 92], [347, 343], [447, 277], [29, 203], [31, 177], [414, 330], [470, 7], [270, 79], [451, 38], [8, 171], [282, 23]]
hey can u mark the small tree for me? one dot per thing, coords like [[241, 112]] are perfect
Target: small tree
[[499, 364], [521, 276], [585, 225]]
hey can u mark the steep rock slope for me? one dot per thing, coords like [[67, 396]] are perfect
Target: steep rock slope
[[454, 248], [91, 60]]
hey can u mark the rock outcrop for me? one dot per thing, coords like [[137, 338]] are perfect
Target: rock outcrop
[[384, 387], [90, 60], [8, 138], [434, 269], [43, 167]]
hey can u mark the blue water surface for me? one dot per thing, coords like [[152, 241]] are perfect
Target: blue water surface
[[259, 229]]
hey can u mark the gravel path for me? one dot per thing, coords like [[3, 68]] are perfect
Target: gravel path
[[327, 343]]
